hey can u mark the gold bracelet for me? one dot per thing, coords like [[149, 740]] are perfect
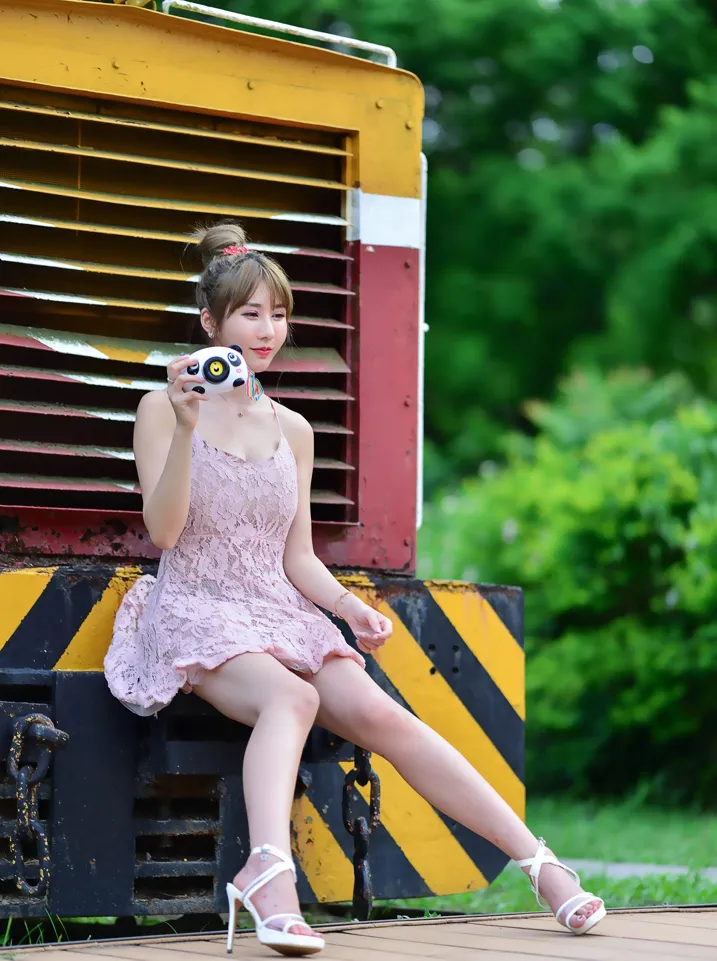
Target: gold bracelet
[[336, 605]]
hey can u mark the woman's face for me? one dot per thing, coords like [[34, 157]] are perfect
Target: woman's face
[[260, 328]]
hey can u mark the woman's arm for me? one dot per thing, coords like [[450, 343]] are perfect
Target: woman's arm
[[301, 565], [163, 453]]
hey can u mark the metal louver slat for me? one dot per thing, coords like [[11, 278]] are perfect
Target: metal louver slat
[[324, 360], [107, 485], [66, 450], [98, 210], [199, 168], [65, 410], [116, 453], [76, 377], [120, 270], [161, 203], [206, 133], [145, 233]]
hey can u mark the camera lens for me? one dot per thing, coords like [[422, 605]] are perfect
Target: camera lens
[[216, 370]]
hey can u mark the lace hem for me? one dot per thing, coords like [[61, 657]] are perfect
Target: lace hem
[[188, 675], [156, 652]]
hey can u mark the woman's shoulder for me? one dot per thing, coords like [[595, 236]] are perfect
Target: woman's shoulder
[[156, 407], [293, 422], [298, 431]]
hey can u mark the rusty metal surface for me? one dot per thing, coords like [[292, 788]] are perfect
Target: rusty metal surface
[[36, 535], [29, 831]]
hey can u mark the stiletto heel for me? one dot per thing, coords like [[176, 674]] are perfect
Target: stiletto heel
[[568, 909], [233, 895], [280, 939]]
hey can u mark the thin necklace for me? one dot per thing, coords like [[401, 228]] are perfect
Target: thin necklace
[[239, 413], [253, 390]]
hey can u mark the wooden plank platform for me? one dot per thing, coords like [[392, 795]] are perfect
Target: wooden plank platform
[[661, 934]]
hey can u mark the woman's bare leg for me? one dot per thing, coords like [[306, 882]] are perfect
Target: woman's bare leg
[[355, 708], [256, 690]]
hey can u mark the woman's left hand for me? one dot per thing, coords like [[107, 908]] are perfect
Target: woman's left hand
[[371, 628]]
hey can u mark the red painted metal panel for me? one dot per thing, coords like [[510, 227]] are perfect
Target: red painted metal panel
[[387, 363], [30, 532], [386, 357]]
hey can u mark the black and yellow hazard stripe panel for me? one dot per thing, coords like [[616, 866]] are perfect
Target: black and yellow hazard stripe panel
[[455, 660]]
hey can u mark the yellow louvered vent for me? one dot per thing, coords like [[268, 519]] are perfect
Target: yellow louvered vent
[[97, 200]]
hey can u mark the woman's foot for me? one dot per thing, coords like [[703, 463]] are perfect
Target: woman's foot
[[557, 887], [560, 887], [276, 897]]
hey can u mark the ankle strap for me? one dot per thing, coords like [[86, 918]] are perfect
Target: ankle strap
[[266, 849]]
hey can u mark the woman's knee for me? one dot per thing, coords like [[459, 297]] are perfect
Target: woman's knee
[[297, 697], [381, 722]]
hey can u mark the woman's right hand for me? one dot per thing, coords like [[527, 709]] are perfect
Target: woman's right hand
[[184, 403]]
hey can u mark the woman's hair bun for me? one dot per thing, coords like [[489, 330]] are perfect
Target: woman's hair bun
[[211, 241]]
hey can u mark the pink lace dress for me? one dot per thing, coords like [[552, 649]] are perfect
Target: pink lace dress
[[222, 590]]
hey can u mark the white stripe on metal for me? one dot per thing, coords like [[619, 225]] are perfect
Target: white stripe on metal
[[113, 302], [89, 380], [116, 452], [310, 219], [8, 218], [45, 295], [78, 347], [379, 220], [38, 262]]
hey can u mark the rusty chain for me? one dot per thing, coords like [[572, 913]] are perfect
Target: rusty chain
[[27, 779], [361, 829]]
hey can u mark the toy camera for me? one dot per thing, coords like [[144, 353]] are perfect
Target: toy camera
[[221, 368]]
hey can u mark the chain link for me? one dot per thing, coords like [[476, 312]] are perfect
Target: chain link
[[28, 828], [361, 829]]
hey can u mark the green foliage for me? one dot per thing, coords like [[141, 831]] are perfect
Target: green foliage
[[608, 520]]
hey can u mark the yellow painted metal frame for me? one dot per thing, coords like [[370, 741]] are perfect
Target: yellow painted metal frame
[[137, 55]]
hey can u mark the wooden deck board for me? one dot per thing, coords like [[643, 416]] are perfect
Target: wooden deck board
[[663, 934]]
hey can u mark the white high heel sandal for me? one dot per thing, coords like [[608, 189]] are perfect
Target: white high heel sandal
[[568, 909], [280, 939]]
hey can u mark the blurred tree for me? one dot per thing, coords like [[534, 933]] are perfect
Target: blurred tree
[[608, 520], [570, 216]]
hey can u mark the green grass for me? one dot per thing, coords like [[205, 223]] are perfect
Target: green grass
[[619, 832], [511, 893], [626, 832]]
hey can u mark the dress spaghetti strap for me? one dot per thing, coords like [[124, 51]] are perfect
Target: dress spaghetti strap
[[278, 419]]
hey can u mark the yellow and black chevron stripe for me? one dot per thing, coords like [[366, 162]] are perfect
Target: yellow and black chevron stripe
[[455, 660]]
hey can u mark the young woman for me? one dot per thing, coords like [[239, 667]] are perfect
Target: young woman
[[225, 482]]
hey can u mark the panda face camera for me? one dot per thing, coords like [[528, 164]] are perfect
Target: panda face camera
[[221, 369]]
